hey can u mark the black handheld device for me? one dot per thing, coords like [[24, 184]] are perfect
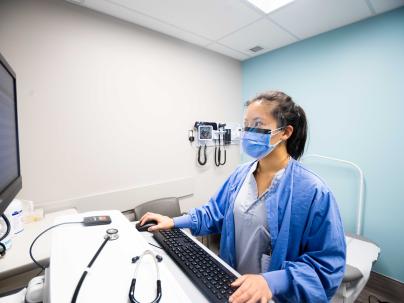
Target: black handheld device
[[96, 220]]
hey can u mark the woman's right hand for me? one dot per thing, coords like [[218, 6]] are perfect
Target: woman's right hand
[[163, 222]]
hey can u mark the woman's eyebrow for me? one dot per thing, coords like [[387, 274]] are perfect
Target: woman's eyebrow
[[257, 119], [254, 119]]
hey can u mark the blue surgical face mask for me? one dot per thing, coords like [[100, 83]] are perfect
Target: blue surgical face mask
[[256, 142]]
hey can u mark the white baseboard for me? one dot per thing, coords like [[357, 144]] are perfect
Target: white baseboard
[[124, 199]]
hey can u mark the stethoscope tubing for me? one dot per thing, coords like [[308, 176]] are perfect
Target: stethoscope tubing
[[132, 288]]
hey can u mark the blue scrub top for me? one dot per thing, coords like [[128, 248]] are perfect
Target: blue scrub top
[[307, 236], [252, 237]]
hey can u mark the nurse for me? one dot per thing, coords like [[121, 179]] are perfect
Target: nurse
[[279, 222]]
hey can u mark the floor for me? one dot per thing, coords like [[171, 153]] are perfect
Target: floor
[[370, 296], [380, 289]]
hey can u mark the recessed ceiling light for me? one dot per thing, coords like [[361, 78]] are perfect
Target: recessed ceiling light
[[268, 6]]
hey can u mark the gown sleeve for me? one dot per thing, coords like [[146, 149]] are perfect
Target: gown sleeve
[[318, 271], [208, 218]]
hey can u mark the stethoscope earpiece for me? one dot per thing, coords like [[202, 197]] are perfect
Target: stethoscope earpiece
[[158, 258]]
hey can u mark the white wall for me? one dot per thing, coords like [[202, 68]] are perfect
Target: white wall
[[105, 105]]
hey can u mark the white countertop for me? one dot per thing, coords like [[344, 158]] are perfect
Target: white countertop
[[17, 259], [108, 280]]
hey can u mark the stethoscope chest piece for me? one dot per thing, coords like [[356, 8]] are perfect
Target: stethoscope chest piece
[[112, 234]]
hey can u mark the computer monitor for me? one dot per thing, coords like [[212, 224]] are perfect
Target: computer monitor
[[10, 176]]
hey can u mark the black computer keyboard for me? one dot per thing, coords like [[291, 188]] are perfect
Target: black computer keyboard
[[209, 275]]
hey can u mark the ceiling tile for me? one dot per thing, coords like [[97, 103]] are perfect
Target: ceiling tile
[[227, 51], [232, 27], [306, 18], [382, 6], [263, 33], [143, 20], [211, 19]]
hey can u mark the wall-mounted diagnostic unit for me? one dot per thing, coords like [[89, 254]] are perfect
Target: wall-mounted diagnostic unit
[[214, 134]]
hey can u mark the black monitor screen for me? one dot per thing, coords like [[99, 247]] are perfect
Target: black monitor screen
[[9, 157]]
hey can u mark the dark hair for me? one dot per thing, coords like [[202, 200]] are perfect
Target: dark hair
[[286, 112]]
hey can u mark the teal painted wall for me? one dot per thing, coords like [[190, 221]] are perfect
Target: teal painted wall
[[351, 83]]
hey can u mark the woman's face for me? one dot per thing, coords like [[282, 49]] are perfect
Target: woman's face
[[258, 115]]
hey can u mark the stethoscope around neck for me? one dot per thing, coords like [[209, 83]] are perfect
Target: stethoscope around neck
[[139, 260]]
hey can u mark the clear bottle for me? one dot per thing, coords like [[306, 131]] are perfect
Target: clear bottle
[[14, 215]]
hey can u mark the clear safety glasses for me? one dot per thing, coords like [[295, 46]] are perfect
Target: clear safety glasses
[[258, 130]]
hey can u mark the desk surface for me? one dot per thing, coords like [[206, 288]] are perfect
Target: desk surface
[[17, 259], [109, 278]]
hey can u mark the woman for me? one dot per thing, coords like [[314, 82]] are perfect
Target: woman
[[279, 223]]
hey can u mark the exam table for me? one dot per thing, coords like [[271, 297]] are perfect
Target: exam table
[[362, 253]]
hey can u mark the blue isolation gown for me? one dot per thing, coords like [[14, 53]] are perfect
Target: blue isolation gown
[[307, 236]]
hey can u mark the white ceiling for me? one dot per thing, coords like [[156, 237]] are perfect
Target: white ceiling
[[232, 27]]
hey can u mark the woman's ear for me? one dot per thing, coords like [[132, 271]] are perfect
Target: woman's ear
[[287, 132]]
